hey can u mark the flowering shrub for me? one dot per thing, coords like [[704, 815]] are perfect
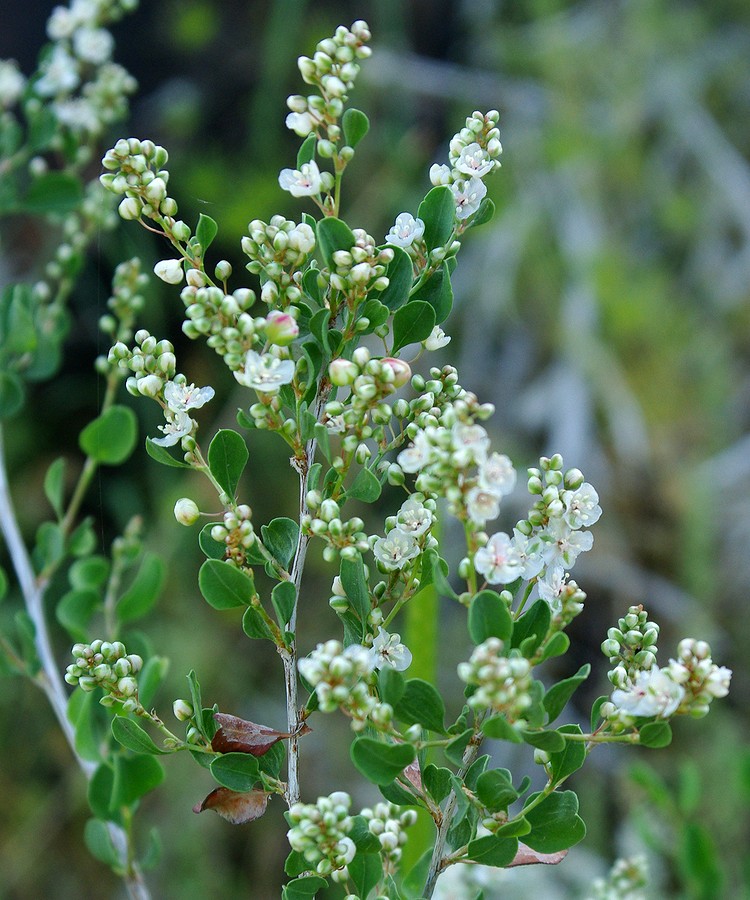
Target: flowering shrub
[[323, 343]]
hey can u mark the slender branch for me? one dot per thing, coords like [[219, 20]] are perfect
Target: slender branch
[[48, 678], [437, 861]]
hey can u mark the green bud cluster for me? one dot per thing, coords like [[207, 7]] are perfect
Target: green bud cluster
[[631, 646], [320, 832], [152, 362], [223, 319], [702, 679], [106, 665], [481, 128], [388, 822], [126, 301], [277, 252], [362, 269], [503, 682], [343, 538], [237, 534], [135, 170]]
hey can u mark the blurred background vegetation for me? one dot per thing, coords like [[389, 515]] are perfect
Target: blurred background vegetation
[[604, 311]]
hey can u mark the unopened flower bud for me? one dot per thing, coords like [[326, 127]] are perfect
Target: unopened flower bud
[[186, 511], [169, 270], [281, 328], [182, 710], [400, 368], [342, 372]]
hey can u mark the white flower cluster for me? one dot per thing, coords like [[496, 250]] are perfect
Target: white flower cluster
[[12, 83], [85, 90], [337, 676], [407, 536], [626, 879], [333, 70], [388, 823], [320, 832], [686, 686], [474, 153], [109, 666], [503, 681]]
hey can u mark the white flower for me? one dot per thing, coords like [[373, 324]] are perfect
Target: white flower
[[471, 444], [437, 339], [60, 74], [387, 650], [717, 682], [266, 373], [395, 550], [653, 693], [414, 518], [482, 504], [582, 506], [300, 123], [12, 83], [302, 238], [302, 182], [170, 270], [177, 427], [499, 561], [469, 194], [529, 550], [496, 473], [474, 162], [79, 115], [93, 45], [405, 231], [181, 397], [416, 455], [551, 588], [440, 174], [562, 545]]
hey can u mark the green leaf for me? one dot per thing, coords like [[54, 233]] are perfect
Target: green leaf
[[415, 879], [380, 762], [489, 617], [484, 214], [555, 824], [533, 624], [306, 152], [421, 703], [236, 771], [54, 486], [392, 685], [549, 741], [324, 442], [557, 645], [500, 728], [308, 885], [53, 192], [255, 626], [655, 735], [595, 717], [11, 394], [212, 549], [130, 734], [91, 724], [227, 457], [99, 792], [400, 274], [295, 863], [333, 235], [355, 586], [280, 539], [365, 871], [50, 545], [144, 591], [89, 573], [356, 125], [495, 789], [134, 777], [283, 598], [3, 583], [150, 678], [319, 328], [455, 749], [99, 843], [492, 850], [376, 312], [569, 760], [436, 291], [223, 586], [434, 571], [559, 694], [111, 437], [206, 231], [412, 324], [161, 455], [394, 793], [82, 541], [438, 212], [365, 487], [437, 781], [74, 611]]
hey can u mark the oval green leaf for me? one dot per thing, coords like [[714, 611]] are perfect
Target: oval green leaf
[[224, 586], [110, 438], [227, 458], [412, 324], [380, 762]]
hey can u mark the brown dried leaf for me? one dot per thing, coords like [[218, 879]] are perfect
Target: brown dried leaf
[[528, 857], [413, 774], [233, 806], [237, 735]]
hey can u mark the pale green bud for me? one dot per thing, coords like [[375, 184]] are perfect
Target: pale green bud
[[186, 511]]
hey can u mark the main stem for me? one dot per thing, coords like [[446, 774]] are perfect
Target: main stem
[[436, 863], [48, 678]]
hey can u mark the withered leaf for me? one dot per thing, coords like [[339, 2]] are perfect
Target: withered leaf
[[413, 774], [528, 857], [233, 806], [237, 735]]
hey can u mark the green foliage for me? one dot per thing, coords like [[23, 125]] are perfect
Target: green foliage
[[380, 762], [223, 586], [227, 458], [111, 437]]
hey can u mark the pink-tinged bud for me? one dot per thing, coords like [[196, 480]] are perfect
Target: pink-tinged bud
[[342, 372], [281, 328], [401, 370], [186, 511]]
